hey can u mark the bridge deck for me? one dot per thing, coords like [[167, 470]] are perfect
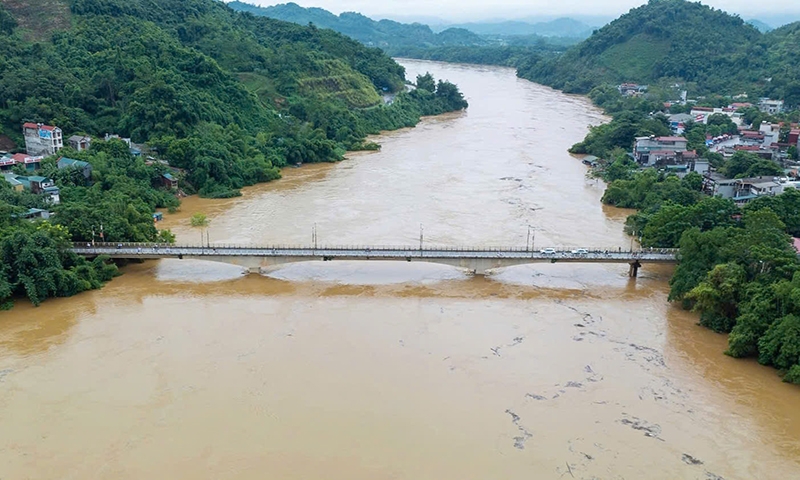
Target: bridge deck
[[128, 250]]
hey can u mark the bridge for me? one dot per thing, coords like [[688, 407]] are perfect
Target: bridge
[[477, 260]]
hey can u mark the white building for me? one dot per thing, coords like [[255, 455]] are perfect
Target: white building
[[42, 140], [771, 107]]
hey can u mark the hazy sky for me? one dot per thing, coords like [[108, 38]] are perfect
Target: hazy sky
[[488, 9]]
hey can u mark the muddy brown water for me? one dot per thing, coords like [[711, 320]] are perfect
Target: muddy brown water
[[182, 369]]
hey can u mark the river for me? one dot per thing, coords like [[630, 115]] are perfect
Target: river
[[184, 369]]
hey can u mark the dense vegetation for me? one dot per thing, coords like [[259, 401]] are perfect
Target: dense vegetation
[[226, 98], [676, 40]]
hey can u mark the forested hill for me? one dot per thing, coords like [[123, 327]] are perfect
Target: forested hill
[[680, 40], [221, 99], [381, 33], [225, 95]]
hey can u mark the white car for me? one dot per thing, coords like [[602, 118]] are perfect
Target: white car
[[549, 251], [580, 251]]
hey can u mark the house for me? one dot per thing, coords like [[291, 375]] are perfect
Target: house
[[678, 121], [701, 167], [30, 163], [85, 167], [631, 89], [169, 181], [794, 137], [42, 140], [16, 185], [746, 189], [112, 136], [42, 186], [36, 213], [717, 185], [80, 142], [645, 145], [763, 152], [771, 107]]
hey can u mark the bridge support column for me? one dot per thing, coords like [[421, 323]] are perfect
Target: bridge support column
[[254, 270], [633, 272]]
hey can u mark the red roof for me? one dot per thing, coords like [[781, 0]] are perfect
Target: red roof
[[30, 125], [703, 109], [662, 152], [671, 139], [749, 148], [47, 127], [796, 242]]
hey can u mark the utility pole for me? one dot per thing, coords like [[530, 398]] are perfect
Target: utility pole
[[314, 235], [102, 235], [208, 240], [420, 239], [93, 235], [533, 239]]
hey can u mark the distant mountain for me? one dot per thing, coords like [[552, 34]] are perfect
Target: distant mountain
[[381, 33], [760, 26], [663, 38], [560, 27]]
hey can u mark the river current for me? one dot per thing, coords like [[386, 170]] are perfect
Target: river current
[[361, 370]]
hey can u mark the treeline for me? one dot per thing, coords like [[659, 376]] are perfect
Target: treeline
[[229, 97]]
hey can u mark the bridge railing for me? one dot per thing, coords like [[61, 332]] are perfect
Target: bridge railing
[[367, 248]]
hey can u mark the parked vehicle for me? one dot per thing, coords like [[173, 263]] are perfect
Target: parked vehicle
[[549, 251], [580, 251]]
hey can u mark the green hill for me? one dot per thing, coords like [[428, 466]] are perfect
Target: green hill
[[225, 95], [662, 39], [381, 33]]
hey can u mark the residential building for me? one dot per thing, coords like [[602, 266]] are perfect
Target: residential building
[[701, 167], [42, 140], [36, 213], [11, 179], [771, 107], [112, 136], [30, 163], [746, 189], [85, 167], [702, 114], [716, 185], [771, 131], [42, 186], [169, 181], [645, 145], [678, 121], [631, 89], [794, 137], [80, 142]]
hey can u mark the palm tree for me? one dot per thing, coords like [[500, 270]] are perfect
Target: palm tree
[[200, 221]]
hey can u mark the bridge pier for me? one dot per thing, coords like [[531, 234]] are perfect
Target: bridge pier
[[254, 270], [633, 272]]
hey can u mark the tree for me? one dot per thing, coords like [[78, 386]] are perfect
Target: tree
[[717, 297], [201, 222], [426, 82]]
